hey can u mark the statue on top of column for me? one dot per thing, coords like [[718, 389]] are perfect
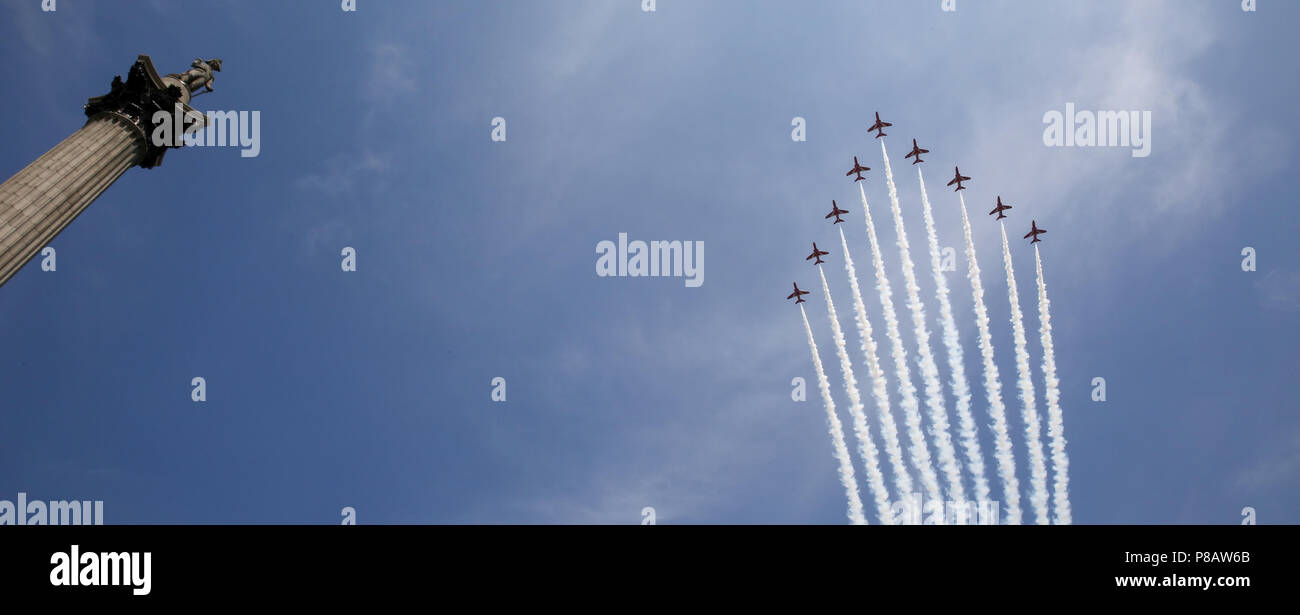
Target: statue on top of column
[[200, 75]]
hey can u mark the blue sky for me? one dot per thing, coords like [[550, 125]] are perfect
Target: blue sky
[[371, 389]]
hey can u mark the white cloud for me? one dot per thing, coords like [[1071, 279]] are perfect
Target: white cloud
[[1283, 467], [343, 172], [1279, 290]]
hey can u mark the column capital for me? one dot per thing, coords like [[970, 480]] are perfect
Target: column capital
[[137, 100]]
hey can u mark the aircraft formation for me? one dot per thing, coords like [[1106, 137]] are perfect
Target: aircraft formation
[[857, 171], [934, 430]]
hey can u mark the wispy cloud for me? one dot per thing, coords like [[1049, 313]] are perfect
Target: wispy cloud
[[67, 30], [389, 74], [342, 173], [1279, 290], [1282, 467]]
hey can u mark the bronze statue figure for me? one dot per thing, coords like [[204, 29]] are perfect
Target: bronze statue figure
[[200, 75]]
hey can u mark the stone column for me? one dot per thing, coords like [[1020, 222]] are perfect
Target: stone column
[[43, 198], [51, 192]]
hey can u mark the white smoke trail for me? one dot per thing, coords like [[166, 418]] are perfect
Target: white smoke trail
[[1055, 421], [929, 371], [879, 384], [956, 360], [1029, 410], [919, 449], [866, 446], [847, 477], [1003, 452]]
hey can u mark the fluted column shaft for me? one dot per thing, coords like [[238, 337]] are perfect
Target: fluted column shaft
[[42, 199]]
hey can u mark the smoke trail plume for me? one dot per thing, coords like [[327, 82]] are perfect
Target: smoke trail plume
[[866, 446], [847, 477], [992, 383], [956, 360], [1029, 410], [879, 385], [1055, 421], [929, 371], [919, 449]]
